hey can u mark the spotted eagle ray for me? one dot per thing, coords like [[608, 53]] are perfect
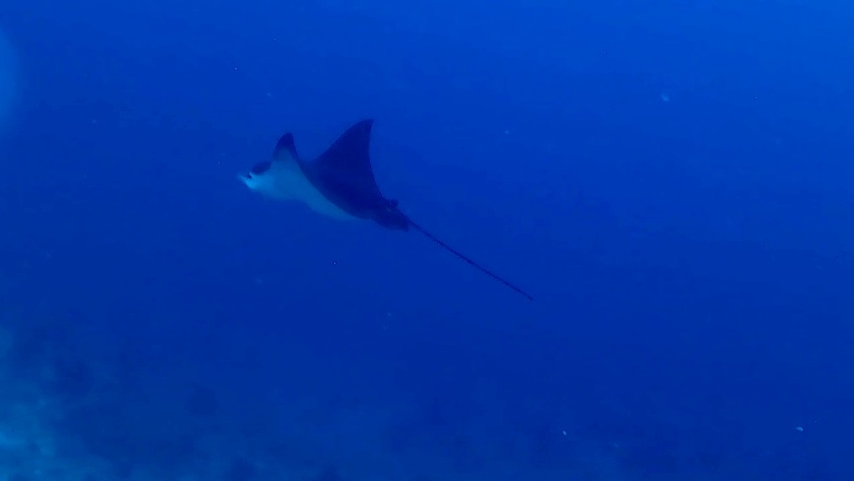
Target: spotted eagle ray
[[340, 184]]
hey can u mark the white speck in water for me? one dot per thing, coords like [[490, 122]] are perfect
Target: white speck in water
[[664, 97], [799, 429]]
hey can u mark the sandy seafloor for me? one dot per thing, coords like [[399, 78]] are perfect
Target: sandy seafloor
[[65, 419], [49, 415], [65, 416], [30, 446]]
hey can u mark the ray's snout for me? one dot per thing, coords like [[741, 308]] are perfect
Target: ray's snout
[[247, 179]]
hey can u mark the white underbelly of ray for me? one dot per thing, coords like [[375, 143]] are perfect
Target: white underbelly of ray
[[289, 183]]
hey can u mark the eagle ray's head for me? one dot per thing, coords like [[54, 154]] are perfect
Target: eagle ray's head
[[259, 178]]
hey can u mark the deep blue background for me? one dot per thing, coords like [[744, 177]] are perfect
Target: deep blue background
[[691, 258]]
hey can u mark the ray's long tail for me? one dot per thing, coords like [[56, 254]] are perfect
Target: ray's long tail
[[468, 260]]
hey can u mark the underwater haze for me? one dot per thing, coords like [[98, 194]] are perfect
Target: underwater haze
[[671, 182], [7, 80]]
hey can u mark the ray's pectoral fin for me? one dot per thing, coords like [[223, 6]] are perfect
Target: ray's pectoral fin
[[285, 148], [347, 162]]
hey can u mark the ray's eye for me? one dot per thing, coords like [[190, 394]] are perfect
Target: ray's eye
[[261, 167]]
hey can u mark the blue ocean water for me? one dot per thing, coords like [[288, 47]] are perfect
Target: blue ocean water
[[670, 180]]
